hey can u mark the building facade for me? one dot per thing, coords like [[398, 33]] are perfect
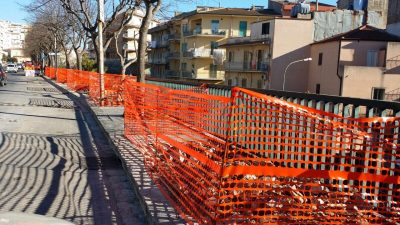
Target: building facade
[[190, 42], [127, 41], [12, 39], [363, 63]]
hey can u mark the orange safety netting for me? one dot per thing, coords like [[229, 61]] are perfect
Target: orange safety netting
[[61, 76], [113, 89], [50, 72], [254, 159], [78, 80]]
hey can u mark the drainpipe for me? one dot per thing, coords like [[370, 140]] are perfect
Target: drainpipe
[[337, 69]]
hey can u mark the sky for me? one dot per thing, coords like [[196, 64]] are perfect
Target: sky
[[13, 11]]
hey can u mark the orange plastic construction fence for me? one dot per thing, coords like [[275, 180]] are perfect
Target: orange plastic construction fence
[[113, 89], [255, 159], [61, 76]]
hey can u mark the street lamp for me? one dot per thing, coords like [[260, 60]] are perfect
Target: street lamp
[[284, 74]]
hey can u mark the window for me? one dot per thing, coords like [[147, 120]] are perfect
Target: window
[[378, 93], [259, 84], [320, 59], [244, 82], [215, 26], [231, 56], [265, 28], [230, 82], [213, 71], [184, 47], [372, 58], [214, 45], [242, 28], [185, 28], [184, 67], [318, 89]]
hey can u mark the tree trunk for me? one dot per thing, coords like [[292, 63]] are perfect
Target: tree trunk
[[78, 59], [143, 31]]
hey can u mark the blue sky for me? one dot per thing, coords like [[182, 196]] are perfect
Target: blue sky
[[12, 10]]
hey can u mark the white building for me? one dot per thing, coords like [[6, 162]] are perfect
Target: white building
[[12, 39]]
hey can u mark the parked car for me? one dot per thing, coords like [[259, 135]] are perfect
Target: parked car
[[12, 68], [20, 66], [3, 76]]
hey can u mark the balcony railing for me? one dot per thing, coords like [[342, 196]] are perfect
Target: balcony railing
[[200, 32], [171, 74], [157, 60], [244, 40], [187, 74], [173, 55], [198, 53], [173, 37], [158, 44], [241, 66]]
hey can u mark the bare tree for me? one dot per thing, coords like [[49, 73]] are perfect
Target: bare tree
[[151, 8]]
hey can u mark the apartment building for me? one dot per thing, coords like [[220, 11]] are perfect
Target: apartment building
[[259, 61], [362, 63], [193, 51], [12, 39], [127, 42]]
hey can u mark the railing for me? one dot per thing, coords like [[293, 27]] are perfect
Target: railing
[[157, 60], [241, 40], [173, 37], [241, 66], [173, 55], [198, 53], [343, 106], [158, 44], [200, 32], [187, 74], [171, 74]]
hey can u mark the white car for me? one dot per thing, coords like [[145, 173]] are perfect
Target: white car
[[12, 68]]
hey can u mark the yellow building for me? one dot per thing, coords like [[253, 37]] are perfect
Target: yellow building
[[247, 61], [201, 33]]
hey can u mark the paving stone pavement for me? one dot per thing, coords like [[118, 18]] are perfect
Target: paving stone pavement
[[56, 161]]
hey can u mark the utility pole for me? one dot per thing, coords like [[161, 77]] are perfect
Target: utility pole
[[101, 49], [317, 6], [55, 53]]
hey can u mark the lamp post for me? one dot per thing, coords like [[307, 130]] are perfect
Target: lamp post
[[284, 74], [100, 60]]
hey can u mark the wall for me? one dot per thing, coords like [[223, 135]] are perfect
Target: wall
[[393, 58], [394, 12], [354, 53], [359, 81], [394, 28], [328, 24], [290, 41], [325, 74]]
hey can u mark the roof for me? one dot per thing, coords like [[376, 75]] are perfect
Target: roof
[[363, 33], [228, 12], [245, 42]]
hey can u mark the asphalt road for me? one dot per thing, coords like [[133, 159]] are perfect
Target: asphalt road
[[54, 159]]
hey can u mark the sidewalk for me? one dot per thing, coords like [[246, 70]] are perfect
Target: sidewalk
[[156, 207]]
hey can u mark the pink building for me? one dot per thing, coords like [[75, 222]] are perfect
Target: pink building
[[362, 63]]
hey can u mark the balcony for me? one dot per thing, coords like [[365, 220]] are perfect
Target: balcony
[[265, 39], [159, 61], [198, 53], [174, 37], [129, 46], [246, 67], [187, 74], [199, 32], [158, 44], [173, 55], [130, 35], [171, 74]]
